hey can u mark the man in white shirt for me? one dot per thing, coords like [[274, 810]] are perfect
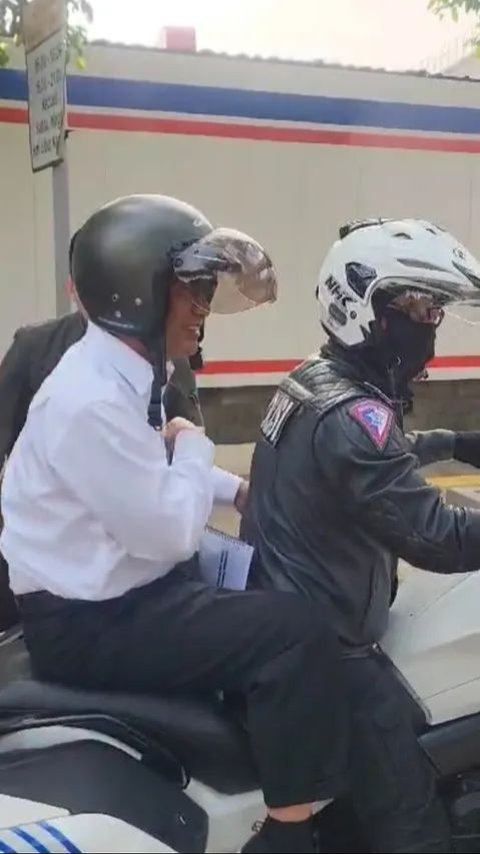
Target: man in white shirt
[[103, 515]]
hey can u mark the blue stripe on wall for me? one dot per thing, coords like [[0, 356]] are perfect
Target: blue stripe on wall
[[87, 91]]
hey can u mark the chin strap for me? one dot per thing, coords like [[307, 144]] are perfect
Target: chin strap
[[155, 417]]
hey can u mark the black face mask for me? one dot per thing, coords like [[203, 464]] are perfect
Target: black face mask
[[407, 346]]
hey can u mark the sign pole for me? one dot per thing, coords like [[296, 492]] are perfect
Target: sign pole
[[45, 37], [61, 234]]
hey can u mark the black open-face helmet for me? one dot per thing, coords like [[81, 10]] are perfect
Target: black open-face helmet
[[127, 255]]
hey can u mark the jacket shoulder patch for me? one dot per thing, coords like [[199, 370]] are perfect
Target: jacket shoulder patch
[[375, 418], [278, 414]]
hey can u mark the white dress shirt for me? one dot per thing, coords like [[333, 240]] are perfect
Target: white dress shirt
[[91, 507], [225, 484]]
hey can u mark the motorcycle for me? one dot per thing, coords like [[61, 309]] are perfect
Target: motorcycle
[[96, 771]]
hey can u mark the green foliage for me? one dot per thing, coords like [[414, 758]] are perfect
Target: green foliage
[[79, 13], [454, 7]]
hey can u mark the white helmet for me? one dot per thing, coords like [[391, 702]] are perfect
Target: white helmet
[[393, 256]]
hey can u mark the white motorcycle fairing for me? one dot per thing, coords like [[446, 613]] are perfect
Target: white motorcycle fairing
[[183, 756], [433, 640], [56, 832]]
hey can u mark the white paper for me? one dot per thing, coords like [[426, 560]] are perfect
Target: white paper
[[224, 560]]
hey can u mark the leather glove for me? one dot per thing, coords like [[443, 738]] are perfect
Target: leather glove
[[467, 448]]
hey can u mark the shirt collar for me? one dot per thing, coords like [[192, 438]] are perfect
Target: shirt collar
[[129, 364]]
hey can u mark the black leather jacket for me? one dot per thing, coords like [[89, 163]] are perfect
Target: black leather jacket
[[336, 497]]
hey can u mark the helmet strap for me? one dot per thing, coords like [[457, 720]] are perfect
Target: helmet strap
[[156, 343]]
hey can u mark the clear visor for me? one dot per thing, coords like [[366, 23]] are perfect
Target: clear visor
[[422, 307], [229, 269], [468, 311], [430, 302]]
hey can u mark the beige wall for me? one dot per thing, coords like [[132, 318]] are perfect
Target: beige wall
[[292, 197]]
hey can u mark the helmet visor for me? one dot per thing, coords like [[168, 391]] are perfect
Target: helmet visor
[[431, 307], [230, 269], [419, 307], [467, 311]]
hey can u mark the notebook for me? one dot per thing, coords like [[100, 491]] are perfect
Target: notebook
[[224, 560]]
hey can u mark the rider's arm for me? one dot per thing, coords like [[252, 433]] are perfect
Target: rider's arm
[[431, 446], [435, 445], [118, 468], [181, 398], [371, 466]]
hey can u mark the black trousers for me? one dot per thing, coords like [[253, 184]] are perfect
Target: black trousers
[[393, 784], [9, 615], [178, 634]]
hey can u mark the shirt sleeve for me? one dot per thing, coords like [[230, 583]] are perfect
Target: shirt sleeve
[[117, 467], [225, 485]]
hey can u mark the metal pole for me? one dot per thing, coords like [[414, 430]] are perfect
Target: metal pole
[[61, 233]]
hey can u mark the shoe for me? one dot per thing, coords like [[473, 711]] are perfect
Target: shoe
[[273, 837]]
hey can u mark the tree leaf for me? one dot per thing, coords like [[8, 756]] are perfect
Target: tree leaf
[[11, 28], [3, 54], [454, 7]]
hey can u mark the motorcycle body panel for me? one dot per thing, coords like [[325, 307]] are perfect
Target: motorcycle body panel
[[434, 642]]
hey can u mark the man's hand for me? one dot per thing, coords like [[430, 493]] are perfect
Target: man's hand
[[241, 497], [467, 448], [174, 427]]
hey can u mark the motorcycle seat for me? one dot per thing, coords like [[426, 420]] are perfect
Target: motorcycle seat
[[197, 731]]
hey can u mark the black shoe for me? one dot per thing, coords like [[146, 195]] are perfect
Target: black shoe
[[275, 837]]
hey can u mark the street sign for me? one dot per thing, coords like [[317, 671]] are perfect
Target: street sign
[[44, 30]]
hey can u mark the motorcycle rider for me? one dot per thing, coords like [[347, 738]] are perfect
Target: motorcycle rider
[[33, 354], [103, 515], [336, 495]]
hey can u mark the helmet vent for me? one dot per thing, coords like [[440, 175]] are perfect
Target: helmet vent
[[337, 314], [402, 235], [356, 224], [359, 277], [422, 265], [468, 273]]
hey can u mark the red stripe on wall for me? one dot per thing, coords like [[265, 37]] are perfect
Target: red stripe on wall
[[455, 362], [270, 133], [259, 366], [283, 366], [13, 115]]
